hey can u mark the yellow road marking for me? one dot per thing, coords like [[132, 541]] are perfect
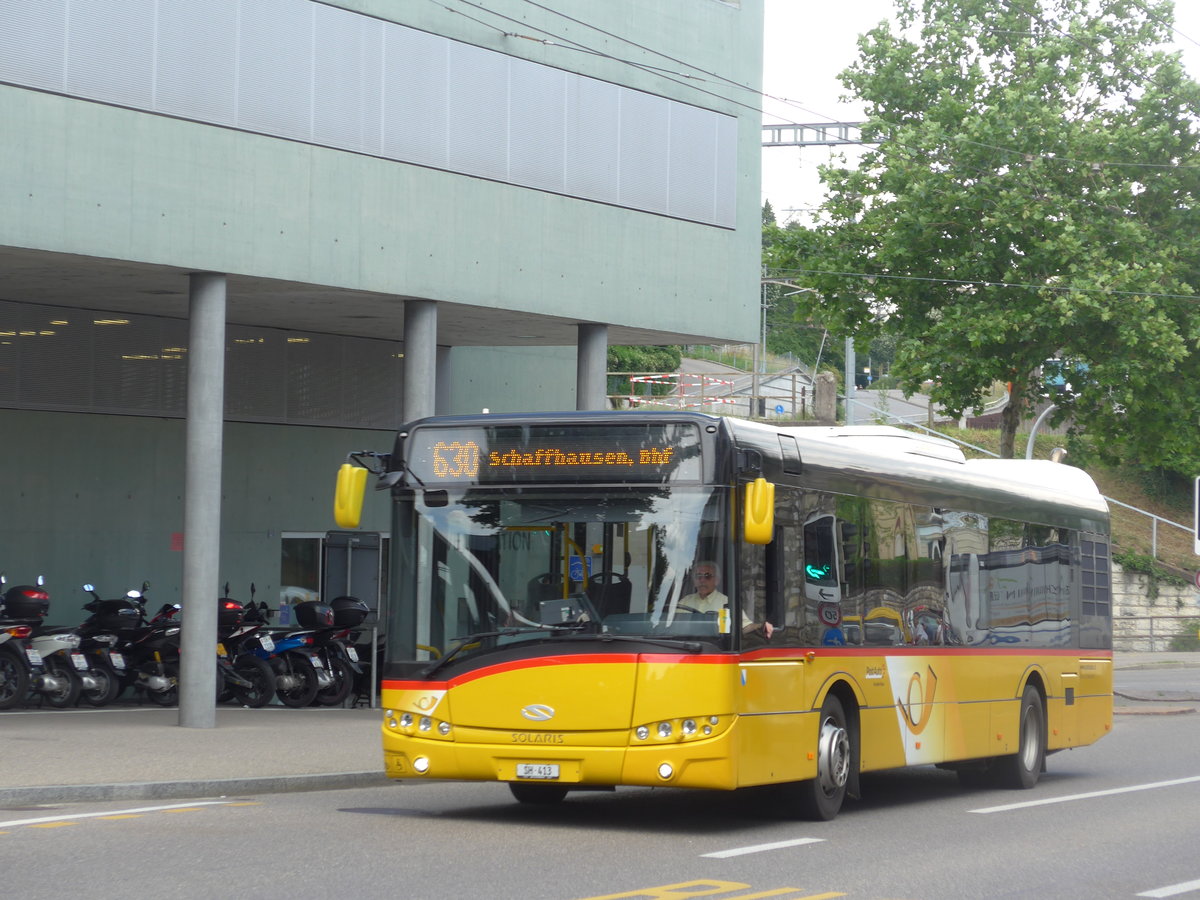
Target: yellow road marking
[[685, 890], [53, 824], [124, 816]]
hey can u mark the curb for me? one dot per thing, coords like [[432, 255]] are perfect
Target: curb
[[174, 790], [1161, 711]]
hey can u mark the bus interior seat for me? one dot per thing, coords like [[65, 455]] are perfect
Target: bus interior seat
[[610, 593]]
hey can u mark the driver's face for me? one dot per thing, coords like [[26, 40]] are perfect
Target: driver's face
[[705, 579]]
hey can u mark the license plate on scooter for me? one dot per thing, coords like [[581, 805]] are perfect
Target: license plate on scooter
[[35, 658], [352, 653], [267, 643], [117, 660], [79, 661]]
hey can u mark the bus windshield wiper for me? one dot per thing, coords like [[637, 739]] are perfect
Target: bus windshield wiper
[[689, 646], [500, 632]]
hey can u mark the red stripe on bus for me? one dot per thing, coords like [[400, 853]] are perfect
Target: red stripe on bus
[[571, 660]]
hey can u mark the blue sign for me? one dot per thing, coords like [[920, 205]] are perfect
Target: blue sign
[[779, 409], [575, 568]]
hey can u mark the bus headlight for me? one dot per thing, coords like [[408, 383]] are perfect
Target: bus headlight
[[406, 720], [693, 728], [420, 765]]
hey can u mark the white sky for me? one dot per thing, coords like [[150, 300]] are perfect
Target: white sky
[[805, 45]]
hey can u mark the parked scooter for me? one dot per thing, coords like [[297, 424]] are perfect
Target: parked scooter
[[242, 675], [149, 649], [18, 661], [54, 658], [338, 650], [318, 664]]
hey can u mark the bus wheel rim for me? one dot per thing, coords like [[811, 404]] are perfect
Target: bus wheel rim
[[833, 756]]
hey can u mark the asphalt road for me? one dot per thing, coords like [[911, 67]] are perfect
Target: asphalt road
[[1113, 820]]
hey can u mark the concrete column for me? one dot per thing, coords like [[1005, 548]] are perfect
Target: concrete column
[[591, 372], [202, 499], [420, 359], [442, 391]]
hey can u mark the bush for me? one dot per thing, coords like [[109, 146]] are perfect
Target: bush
[[1189, 638]]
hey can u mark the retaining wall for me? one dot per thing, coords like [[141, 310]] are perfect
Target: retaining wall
[[1146, 616]]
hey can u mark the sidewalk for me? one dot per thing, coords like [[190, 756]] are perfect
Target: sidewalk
[[141, 752], [131, 752]]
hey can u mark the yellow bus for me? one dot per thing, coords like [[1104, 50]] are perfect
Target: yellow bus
[[583, 600]]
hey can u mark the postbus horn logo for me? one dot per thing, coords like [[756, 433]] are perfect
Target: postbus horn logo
[[538, 712]]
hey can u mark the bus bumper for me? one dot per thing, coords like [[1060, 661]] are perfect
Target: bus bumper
[[705, 763]]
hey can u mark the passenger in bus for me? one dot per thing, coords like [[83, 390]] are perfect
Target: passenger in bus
[[706, 578]]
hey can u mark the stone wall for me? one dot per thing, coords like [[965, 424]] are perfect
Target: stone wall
[[1146, 616]]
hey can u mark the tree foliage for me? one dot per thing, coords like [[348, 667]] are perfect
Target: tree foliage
[[637, 359], [1032, 195]]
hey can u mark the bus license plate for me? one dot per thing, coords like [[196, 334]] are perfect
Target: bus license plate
[[541, 771]]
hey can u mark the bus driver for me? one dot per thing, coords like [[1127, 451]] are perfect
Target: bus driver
[[706, 578]]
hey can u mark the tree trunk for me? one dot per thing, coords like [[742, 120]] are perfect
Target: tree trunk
[[1010, 418]]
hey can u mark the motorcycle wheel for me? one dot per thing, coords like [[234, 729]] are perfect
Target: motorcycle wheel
[[343, 681], [68, 695], [108, 687], [260, 674], [302, 694], [14, 680], [169, 697]]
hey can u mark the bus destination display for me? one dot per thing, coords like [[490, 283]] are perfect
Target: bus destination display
[[652, 453]]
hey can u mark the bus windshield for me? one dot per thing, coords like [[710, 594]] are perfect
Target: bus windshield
[[481, 569]]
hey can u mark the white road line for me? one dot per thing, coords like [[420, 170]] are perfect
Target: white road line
[[758, 848], [1173, 890], [1088, 796], [112, 812]]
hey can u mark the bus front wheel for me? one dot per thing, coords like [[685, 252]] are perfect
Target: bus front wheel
[[821, 799], [1022, 769]]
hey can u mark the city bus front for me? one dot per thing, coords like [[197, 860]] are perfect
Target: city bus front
[[549, 625]]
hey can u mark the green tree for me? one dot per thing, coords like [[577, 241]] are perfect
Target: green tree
[[637, 359], [1032, 194]]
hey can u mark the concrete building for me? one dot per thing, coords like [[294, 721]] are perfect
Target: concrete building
[[329, 218]]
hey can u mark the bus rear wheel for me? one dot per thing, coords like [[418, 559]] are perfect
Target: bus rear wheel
[[821, 799], [1022, 769]]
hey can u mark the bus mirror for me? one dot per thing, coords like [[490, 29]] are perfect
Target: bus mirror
[[759, 525], [348, 497]]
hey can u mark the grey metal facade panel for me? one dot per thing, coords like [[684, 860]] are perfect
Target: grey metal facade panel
[[33, 43], [416, 81], [196, 63], [592, 152], [306, 71], [478, 112], [111, 51]]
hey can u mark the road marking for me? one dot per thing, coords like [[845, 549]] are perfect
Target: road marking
[[1173, 890], [713, 890], [761, 848], [1088, 796], [100, 815], [54, 825]]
